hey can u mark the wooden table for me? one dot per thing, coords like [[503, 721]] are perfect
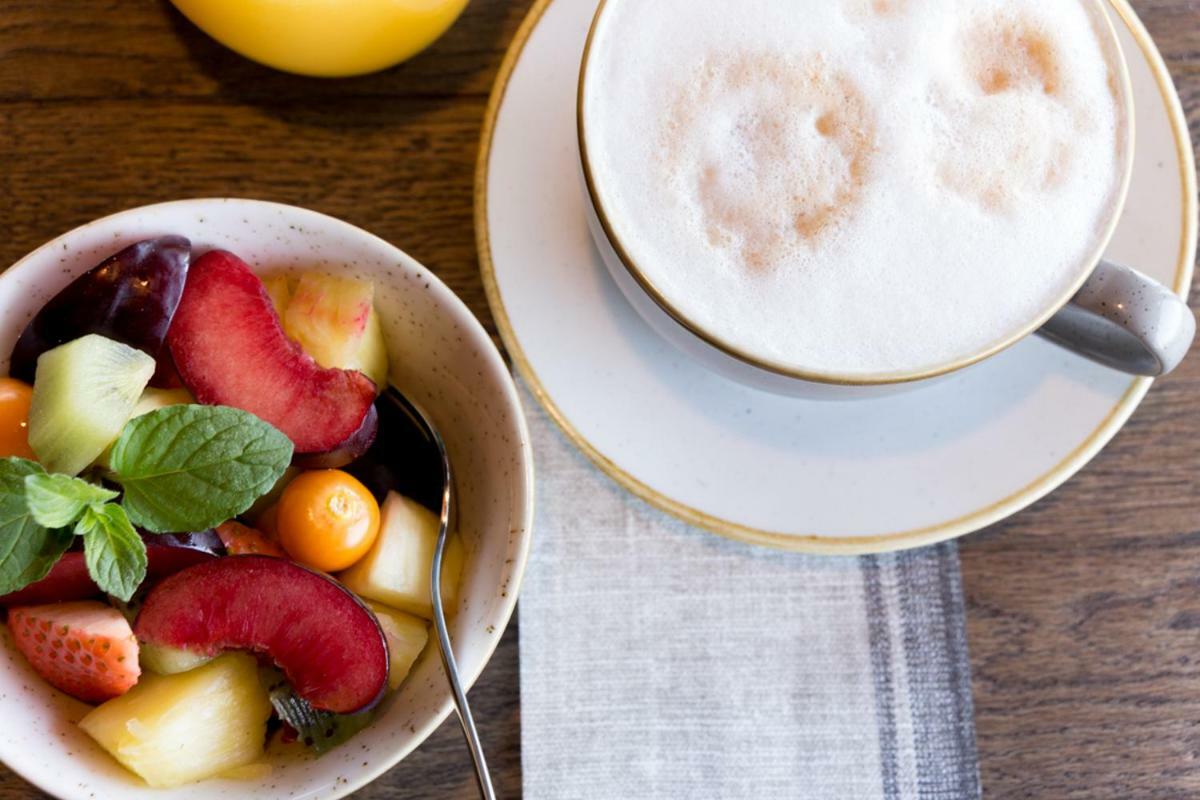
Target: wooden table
[[1083, 611]]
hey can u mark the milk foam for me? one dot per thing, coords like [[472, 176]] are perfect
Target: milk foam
[[856, 186]]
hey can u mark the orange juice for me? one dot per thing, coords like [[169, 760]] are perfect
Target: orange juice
[[326, 38]]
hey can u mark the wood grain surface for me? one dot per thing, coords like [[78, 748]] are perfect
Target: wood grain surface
[[1083, 611]]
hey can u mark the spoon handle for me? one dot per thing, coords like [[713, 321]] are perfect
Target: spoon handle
[[482, 776], [422, 420]]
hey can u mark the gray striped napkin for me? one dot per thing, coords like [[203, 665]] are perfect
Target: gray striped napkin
[[659, 661]]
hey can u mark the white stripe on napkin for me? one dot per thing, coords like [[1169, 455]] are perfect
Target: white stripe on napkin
[[659, 661]]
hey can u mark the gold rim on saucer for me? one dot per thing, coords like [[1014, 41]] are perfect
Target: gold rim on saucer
[[815, 543]]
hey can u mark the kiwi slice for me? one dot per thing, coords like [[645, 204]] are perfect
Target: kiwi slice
[[83, 393]]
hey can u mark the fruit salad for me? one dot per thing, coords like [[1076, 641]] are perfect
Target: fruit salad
[[209, 531]]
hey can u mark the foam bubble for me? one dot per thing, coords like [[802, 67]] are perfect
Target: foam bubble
[[875, 8], [856, 186]]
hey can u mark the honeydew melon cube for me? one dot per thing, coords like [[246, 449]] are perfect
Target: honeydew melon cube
[[396, 570], [406, 637], [83, 394]]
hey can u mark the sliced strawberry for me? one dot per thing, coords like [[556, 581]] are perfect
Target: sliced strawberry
[[241, 540], [231, 350], [85, 649]]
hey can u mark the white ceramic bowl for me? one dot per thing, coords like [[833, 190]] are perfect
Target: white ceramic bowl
[[440, 355]]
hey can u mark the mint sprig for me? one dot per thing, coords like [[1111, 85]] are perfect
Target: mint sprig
[[27, 550], [190, 467], [182, 468], [114, 553], [57, 501]]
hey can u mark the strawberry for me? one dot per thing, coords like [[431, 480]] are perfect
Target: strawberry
[[85, 649], [241, 540]]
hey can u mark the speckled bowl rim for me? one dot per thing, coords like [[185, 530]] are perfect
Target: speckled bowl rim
[[523, 500]]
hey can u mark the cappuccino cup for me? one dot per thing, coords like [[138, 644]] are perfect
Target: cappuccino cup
[[832, 198]]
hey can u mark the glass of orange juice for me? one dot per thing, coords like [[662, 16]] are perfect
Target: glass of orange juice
[[325, 38]]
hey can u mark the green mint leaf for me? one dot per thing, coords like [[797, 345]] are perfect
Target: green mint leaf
[[27, 550], [114, 553], [56, 501], [191, 467]]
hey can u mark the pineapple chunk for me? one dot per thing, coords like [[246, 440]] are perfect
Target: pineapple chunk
[[176, 729], [396, 570], [153, 399], [335, 321], [406, 637], [279, 289]]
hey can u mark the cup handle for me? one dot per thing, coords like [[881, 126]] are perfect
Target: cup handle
[[1124, 320]]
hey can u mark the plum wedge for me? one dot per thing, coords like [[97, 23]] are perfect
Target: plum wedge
[[230, 349], [348, 451], [129, 297], [328, 644]]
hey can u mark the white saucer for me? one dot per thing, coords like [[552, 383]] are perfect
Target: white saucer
[[844, 477]]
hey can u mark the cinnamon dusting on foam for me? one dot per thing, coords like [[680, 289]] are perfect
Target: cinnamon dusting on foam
[[1013, 144], [773, 150]]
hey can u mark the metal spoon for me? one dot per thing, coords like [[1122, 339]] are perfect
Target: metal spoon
[[430, 433]]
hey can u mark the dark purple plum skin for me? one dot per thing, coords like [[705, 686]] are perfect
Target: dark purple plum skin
[[348, 451], [207, 541], [131, 297]]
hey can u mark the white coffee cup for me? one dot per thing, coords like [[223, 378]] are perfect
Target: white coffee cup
[[1108, 312]]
